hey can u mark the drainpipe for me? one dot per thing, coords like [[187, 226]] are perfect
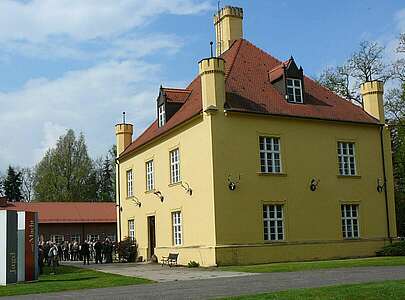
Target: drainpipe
[[118, 187], [385, 183]]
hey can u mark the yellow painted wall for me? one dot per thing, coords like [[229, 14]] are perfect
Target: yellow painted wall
[[309, 150], [193, 140]]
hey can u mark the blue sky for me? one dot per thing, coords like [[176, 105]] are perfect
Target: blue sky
[[78, 64]]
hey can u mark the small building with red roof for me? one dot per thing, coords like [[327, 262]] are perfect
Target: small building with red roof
[[256, 162], [69, 221]]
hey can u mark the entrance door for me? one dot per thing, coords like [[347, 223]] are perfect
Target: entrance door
[[151, 236]]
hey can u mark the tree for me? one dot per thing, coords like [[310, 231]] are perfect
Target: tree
[[399, 64], [12, 185], [66, 172], [106, 176], [27, 187], [366, 64]]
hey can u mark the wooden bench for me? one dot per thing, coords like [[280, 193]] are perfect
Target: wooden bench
[[170, 260]]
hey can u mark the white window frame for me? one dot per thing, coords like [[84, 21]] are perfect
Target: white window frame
[[347, 158], [175, 166], [350, 221], [131, 229], [150, 180], [296, 86], [93, 237], [161, 115], [270, 154], [177, 228], [75, 237], [57, 238], [130, 190], [273, 216]]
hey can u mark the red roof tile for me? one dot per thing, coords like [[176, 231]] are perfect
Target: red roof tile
[[248, 90], [70, 212]]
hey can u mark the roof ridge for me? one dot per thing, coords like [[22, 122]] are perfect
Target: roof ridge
[[234, 57], [177, 90]]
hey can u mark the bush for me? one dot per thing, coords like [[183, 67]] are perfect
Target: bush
[[127, 249], [193, 264], [395, 249]]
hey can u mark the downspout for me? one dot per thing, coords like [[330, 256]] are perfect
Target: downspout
[[117, 162], [385, 183]]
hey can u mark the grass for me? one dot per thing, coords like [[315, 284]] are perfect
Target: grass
[[316, 265], [392, 290], [69, 278]]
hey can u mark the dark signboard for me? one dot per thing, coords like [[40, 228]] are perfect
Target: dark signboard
[[31, 233], [11, 249]]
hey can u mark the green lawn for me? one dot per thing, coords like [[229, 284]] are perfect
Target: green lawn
[[391, 290], [69, 278], [314, 265]]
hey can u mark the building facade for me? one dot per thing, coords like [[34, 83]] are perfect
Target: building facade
[[254, 162]]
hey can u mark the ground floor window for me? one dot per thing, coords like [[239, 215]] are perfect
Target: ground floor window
[[111, 237], [131, 229], [177, 231], [57, 238], [350, 222], [93, 237], [75, 237], [273, 222]]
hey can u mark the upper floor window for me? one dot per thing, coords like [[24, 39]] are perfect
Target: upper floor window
[[150, 182], [270, 158], [350, 223], [273, 222], [130, 192], [346, 159], [177, 230], [174, 166], [161, 115], [294, 90], [131, 229]]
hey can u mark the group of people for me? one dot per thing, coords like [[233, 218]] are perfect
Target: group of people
[[51, 253]]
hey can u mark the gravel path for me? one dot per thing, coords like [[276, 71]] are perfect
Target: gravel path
[[232, 286]]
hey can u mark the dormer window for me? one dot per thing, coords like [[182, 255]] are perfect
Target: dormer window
[[161, 115], [294, 90]]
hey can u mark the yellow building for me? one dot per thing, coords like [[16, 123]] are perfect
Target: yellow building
[[254, 162]]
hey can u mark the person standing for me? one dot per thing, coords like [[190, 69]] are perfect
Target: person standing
[[97, 248], [41, 259], [85, 251], [53, 256]]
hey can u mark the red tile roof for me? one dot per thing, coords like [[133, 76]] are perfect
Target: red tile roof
[[248, 90], [70, 212], [176, 95]]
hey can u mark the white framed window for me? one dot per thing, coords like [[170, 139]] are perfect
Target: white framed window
[[273, 221], [93, 237], [177, 230], [294, 90], [75, 237], [130, 191], [161, 115], [57, 238], [350, 221], [347, 158], [150, 181], [131, 229], [270, 156], [174, 166]]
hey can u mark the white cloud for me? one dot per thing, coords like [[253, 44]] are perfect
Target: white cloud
[[90, 100]]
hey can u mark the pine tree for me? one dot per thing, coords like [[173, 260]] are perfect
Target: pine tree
[[12, 185]]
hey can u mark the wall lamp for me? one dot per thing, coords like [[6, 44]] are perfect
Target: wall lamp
[[136, 201], [380, 185], [117, 205], [233, 183], [314, 184], [187, 187], [159, 195]]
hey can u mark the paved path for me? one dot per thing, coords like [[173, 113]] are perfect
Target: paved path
[[232, 286], [158, 273]]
